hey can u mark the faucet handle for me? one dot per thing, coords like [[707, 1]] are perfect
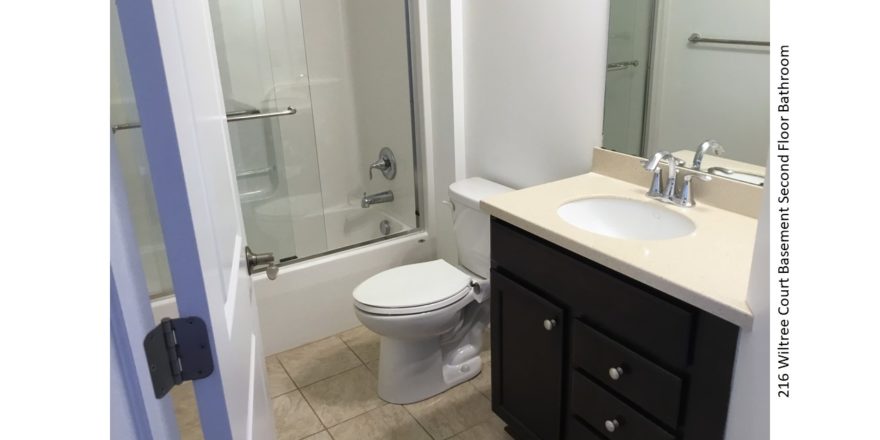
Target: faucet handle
[[655, 191], [687, 192]]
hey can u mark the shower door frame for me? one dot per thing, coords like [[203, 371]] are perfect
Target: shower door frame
[[412, 13]]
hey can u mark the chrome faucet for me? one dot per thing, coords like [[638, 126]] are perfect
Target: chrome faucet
[[708, 144], [657, 182], [372, 199], [669, 194]]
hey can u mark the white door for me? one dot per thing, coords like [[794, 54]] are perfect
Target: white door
[[174, 71]]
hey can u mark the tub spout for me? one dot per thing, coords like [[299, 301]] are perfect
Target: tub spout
[[372, 199]]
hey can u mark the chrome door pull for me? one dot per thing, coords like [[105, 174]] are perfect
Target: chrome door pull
[[267, 259]]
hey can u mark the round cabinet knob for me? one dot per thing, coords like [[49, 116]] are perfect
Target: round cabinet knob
[[611, 425], [549, 324], [615, 373]]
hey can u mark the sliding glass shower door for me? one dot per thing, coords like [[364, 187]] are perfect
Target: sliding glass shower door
[[339, 172], [320, 118], [265, 81]]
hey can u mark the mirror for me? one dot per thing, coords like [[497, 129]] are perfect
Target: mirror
[[681, 72]]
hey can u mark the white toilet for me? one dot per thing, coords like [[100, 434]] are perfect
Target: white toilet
[[431, 316]]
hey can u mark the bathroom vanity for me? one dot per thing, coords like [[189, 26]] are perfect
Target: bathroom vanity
[[580, 350], [600, 337]]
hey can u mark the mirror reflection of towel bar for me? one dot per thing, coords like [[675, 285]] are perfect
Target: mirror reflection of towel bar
[[697, 38], [613, 67], [239, 115]]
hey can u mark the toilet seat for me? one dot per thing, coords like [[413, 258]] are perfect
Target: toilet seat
[[413, 288]]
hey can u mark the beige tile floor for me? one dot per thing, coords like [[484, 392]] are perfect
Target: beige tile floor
[[326, 390]]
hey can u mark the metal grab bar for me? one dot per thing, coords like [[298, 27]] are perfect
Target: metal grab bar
[[238, 115], [623, 65], [697, 38]]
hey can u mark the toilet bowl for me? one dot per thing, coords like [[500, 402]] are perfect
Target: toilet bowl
[[431, 316]]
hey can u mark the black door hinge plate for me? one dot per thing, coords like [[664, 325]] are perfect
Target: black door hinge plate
[[178, 350]]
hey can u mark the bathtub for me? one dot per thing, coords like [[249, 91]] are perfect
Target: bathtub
[[311, 299]]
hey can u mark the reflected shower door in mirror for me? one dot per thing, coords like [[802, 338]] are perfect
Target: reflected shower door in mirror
[[681, 72], [629, 49]]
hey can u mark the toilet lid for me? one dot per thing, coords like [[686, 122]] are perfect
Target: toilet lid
[[412, 285]]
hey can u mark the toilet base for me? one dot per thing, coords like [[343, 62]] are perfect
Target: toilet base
[[411, 371]]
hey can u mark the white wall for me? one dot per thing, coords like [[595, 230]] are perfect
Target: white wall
[[710, 90], [749, 415], [534, 77]]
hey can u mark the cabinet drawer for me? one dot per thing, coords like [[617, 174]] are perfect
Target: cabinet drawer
[[624, 308], [643, 382], [596, 406], [578, 431]]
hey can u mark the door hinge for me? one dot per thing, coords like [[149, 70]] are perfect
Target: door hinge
[[178, 350]]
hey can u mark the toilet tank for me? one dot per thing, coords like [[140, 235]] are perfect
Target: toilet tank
[[471, 225]]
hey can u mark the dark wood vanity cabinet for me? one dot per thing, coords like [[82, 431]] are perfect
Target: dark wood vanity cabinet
[[582, 352]]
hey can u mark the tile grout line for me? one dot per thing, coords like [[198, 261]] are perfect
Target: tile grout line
[[284, 369], [343, 421], [301, 388], [310, 408], [417, 421], [352, 349], [328, 377], [384, 404]]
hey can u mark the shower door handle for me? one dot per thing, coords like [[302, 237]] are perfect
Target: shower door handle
[[267, 259]]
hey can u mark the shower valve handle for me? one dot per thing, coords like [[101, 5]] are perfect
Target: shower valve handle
[[382, 164], [385, 163]]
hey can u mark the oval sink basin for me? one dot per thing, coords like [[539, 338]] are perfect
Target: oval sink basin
[[626, 219]]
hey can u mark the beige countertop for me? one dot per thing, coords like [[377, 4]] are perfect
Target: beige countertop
[[708, 269]]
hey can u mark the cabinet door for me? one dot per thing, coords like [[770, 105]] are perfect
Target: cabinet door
[[527, 333]]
